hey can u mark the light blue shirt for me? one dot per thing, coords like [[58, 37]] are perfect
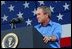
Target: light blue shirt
[[52, 29]]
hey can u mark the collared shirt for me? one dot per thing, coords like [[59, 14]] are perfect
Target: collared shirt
[[51, 29]]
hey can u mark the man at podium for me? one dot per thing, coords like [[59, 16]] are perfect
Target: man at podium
[[49, 29]]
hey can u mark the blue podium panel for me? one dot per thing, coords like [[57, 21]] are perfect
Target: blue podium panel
[[28, 37]]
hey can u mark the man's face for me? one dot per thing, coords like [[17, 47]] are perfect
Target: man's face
[[41, 17]]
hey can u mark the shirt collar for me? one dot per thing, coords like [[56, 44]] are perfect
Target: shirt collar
[[49, 24]]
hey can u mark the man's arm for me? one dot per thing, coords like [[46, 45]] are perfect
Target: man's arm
[[55, 36]]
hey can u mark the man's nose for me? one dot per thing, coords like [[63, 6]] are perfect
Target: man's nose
[[37, 16]]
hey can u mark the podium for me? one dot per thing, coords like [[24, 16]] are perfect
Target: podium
[[28, 37]]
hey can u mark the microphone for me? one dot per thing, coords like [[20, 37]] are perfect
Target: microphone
[[16, 20]]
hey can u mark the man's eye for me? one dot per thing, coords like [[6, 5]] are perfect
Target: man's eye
[[38, 14]]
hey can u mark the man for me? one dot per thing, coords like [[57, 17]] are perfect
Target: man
[[49, 29]]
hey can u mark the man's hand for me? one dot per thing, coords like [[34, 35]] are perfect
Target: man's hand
[[46, 39]]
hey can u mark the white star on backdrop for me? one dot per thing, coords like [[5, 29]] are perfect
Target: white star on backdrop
[[28, 22], [60, 16], [15, 1], [2, 2], [41, 2], [26, 5], [51, 8], [4, 18], [34, 12], [11, 8], [57, 1], [20, 15], [66, 6]]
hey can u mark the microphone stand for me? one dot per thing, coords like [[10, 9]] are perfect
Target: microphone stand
[[14, 21], [13, 27]]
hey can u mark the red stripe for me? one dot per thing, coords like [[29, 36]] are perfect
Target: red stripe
[[64, 42]]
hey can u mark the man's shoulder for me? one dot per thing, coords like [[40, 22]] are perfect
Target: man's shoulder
[[56, 24]]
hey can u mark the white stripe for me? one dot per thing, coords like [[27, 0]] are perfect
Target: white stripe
[[66, 31]]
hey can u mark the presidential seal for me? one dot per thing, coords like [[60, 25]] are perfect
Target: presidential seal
[[10, 41]]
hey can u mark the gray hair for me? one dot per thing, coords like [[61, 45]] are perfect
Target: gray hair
[[46, 10]]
